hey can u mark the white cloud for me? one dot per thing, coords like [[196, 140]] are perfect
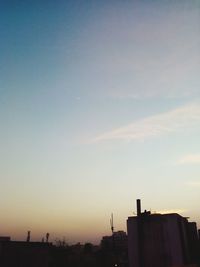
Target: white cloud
[[190, 159], [164, 123]]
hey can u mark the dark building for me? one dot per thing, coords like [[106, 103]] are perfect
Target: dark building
[[4, 238], [161, 240], [117, 241], [115, 249], [24, 254]]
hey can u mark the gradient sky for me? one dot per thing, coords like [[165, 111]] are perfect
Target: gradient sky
[[99, 105]]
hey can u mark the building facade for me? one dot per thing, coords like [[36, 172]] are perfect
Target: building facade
[[161, 240]]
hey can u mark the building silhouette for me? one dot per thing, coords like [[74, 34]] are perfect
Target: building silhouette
[[161, 240], [117, 241], [114, 249], [24, 254]]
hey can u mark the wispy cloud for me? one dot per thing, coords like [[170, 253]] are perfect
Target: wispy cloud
[[172, 211], [193, 183], [190, 159], [178, 119]]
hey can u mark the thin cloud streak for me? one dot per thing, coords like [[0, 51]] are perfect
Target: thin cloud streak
[[164, 123], [172, 211], [190, 159], [193, 184]]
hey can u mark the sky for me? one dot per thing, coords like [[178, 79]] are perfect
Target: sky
[[99, 106]]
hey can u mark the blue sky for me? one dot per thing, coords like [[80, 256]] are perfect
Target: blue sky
[[99, 105]]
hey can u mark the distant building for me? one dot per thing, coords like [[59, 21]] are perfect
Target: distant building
[[114, 248], [161, 240], [117, 241]]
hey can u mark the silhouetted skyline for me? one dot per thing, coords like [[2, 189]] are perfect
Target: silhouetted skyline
[[152, 240]]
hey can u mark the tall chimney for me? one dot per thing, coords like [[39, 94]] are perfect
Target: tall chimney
[[28, 236], [138, 207]]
